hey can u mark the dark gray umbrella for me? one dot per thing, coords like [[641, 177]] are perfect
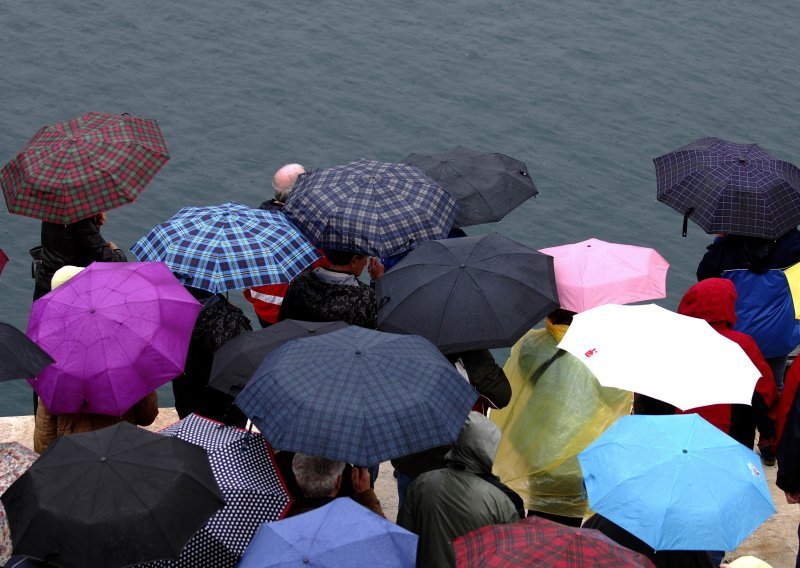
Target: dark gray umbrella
[[488, 185], [468, 293], [20, 358], [237, 360]]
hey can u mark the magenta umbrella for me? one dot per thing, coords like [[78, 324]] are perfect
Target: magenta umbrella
[[594, 272], [3, 260], [118, 331]]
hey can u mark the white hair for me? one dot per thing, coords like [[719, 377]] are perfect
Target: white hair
[[316, 476], [283, 180]]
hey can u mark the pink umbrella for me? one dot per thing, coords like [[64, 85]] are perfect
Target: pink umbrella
[[118, 331], [3, 260], [594, 272]]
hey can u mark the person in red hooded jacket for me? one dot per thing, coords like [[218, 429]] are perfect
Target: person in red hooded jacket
[[713, 300]]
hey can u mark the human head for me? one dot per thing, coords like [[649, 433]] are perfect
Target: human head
[[317, 477], [353, 262], [63, 274], [284, 179], [560, 316]]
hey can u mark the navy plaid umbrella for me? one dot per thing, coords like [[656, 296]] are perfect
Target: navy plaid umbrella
[[245, 469], [487, 185], [226, 247], [375, 208], [724, 187], [357, 395]]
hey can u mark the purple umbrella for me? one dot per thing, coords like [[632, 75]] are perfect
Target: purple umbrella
[[118, 331]]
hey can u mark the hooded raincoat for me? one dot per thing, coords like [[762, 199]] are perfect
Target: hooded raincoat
[[557, 409], [714, 300], [445, 504]]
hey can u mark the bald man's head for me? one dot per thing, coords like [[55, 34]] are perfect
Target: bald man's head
[[284, 180]]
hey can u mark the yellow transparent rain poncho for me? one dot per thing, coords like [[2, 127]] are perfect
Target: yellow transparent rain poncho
[[557, 409]]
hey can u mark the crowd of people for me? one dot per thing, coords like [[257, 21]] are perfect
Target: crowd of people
[[516, 455]]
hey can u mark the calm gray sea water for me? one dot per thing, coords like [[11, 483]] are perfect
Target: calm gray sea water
[[586, 93]]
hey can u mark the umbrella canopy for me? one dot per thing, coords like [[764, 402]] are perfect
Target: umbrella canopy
[[112, 497], [467, 293], [75, 169], [486, 184], [535, 541], [731, 188], [358, 396], [15, 459], [341, 533], [594, 272], [3, 260], [245, 469], [118, 331], [670, 357], [20, 358], [227, 247], [237, 360], [676, 482], [369, 207]]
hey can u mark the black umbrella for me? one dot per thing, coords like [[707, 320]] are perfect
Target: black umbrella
[[488, 185], [237, 360], [20, 358], [725, 187], [112, 497], [468, 293]]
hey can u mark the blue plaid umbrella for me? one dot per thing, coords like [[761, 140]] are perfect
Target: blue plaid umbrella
[[227, 247], [676, 482], [369, 207], [357, 395], [724, 187]]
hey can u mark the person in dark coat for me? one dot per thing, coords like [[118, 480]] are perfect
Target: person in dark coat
[[334, 293], [78, 244], [219, 321]]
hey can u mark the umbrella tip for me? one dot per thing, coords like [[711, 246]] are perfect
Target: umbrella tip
[[685, 451]]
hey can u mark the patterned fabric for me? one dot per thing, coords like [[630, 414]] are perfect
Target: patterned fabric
[[226, 247], [72, 170], [15, 459], [348, 395], [369, 207], [725, 187], [309, 298], [535, 541], [244, 467]]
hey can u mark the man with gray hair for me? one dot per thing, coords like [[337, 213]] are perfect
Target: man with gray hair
[[282, 184], [320, 480], [267, 299]]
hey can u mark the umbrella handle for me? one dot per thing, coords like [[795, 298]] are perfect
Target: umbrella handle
[[686, 220]]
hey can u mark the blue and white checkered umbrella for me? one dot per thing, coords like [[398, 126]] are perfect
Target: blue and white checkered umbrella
[[227, 247], [357, 395], [724, 187], [375, 208]]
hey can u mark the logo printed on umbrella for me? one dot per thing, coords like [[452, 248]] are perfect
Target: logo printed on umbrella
[[753, 469], [591, 352]]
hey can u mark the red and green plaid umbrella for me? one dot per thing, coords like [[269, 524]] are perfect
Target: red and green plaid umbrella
[[538, 542], [75, 169]]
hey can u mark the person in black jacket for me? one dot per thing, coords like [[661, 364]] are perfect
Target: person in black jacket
[[78, 244]]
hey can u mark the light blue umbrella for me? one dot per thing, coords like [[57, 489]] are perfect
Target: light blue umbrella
[[342, 533], [676, 482]]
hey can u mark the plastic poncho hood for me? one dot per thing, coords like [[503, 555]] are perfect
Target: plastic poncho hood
[[477, 444]]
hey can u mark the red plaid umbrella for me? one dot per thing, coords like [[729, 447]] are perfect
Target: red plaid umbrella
[[72, 170], [538, 542]]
